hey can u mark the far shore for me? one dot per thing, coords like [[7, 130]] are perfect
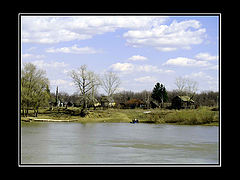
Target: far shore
[[200, 116]]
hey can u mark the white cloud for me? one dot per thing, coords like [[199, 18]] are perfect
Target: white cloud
[[130, 68], [201, 60], [186, 62], [58, 82], [205, 57], [53, 64], [212, 67], [122, 67], [73, 50], [201, 75], [32, 56], [148, 68], [31, 48], [166, 49], [48, 30], [43, 29], [138, 58], [66, 71], [178, 35], [146, 79]]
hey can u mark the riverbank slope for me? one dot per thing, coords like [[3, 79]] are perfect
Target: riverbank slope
[[200, 116]]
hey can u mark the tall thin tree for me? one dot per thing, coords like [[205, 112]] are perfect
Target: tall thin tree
[[84, 81]]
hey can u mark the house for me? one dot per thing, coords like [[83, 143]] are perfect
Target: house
[[182, 102], [107, 101]]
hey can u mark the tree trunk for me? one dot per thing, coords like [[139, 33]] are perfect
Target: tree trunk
[[23, 111], [36, 112], [83, 112], [27, 112]]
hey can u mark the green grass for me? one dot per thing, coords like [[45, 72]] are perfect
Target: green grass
[[193, 116], [200, 116]]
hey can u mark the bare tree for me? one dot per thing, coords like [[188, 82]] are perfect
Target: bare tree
[[180, 82], [110, 82], [186, 86], [84, 81], [191, 87], [147, 96]]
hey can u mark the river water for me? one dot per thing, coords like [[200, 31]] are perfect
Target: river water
[[118, 143]]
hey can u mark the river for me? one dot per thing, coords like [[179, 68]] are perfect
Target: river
[[118, 143]]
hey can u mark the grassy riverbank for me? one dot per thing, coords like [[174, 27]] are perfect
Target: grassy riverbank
[[200, 116]]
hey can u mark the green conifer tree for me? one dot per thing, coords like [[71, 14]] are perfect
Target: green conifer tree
[[159, 93]]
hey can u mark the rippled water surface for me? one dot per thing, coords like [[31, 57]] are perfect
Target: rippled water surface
[[118, 143]]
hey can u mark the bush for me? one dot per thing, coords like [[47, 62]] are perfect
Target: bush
[[201, 116]]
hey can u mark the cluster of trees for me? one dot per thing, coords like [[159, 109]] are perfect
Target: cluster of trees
[[87, 83], [35, 87], [146, 99], [207, 98], [35, 91], [129, 99]]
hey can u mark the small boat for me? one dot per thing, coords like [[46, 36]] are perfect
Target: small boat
[[134, 121]]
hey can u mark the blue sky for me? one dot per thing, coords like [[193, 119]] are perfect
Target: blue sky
[[142, 50]]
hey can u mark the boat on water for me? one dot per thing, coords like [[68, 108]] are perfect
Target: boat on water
[[134, 121]]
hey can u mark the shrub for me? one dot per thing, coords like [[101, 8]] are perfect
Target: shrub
[[201, 116]]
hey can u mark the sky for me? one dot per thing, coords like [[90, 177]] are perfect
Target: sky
[[141, 50]]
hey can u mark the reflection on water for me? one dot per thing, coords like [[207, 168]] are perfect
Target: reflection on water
[[118, 143]]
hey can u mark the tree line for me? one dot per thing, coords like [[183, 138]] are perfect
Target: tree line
[[130, 99], [135, 99], [35, 91]]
